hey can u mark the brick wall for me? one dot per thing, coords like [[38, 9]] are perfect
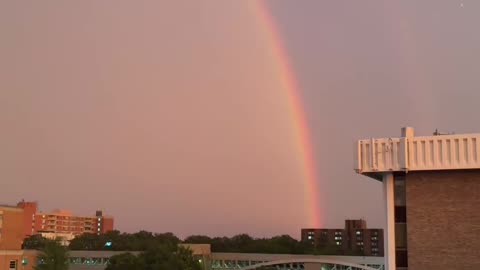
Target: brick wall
[[443, 220], [12, 229], [6, 256]]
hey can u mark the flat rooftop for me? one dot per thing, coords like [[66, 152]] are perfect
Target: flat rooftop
[[376, 156]]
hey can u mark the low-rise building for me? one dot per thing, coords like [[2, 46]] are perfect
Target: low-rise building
[[354, 239]]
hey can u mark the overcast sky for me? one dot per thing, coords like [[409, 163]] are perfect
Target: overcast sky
[[169, 115]]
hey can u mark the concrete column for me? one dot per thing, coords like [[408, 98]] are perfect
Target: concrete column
[[389, 237]]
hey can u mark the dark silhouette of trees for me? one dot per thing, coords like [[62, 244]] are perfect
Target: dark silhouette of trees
[[36, 241], [160, 257], [139, 241], [124, 261], [242, 243], [53, 256]]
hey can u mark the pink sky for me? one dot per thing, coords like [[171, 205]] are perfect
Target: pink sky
[[170, 115]]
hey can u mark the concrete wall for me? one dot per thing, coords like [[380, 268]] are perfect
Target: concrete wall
[[443, 220]]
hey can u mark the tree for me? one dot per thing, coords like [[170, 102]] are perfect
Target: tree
[[160, 257], [86, 241], [198, 239], [124, 261], [139, 241], [53, 256], [36, 241]]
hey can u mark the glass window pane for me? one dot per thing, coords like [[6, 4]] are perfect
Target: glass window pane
[[399, 191], [401, 235]]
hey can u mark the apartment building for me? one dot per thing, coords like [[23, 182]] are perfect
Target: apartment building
[[354, 239], [64, 222]]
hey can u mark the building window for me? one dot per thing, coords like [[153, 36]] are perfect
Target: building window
[[374, 238], [400, 214], [400, 191], [13, 265], [339, 243], [401, 258], [401, 235], [310, 237], [358, 232]]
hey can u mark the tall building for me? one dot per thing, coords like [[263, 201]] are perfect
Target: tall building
[[29, 211], [354, 239], [432, 198], [12, 230]]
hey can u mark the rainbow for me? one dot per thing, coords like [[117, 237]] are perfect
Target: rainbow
[[302, 132]]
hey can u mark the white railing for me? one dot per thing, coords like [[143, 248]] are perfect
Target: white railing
[[445, 152]]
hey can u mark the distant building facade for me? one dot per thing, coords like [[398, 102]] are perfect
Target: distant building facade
[[354, 239], [29, 211], [63, 222], [12, 230], [22, 220]]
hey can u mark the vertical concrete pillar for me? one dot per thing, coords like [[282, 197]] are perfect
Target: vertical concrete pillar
[[389, 238]]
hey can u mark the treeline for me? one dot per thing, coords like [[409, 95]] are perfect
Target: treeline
[[144, 240], [157, 256], [244, 243]]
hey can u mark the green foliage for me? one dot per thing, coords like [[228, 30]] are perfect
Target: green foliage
[[122, 241], [242, 243], [160, 257], [34, 242], [53, 256], [124, 261]]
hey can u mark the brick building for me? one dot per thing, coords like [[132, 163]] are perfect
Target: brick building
[[29, 211], [22, 220], [63, 222], [354, 239], [432, 196], [12, 230]]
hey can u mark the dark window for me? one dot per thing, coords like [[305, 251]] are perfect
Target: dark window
[[399, 191], [401, 258], [401, 235], [400, 214]]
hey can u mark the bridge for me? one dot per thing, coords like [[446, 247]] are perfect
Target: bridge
[[98, 260], [250, 261]]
